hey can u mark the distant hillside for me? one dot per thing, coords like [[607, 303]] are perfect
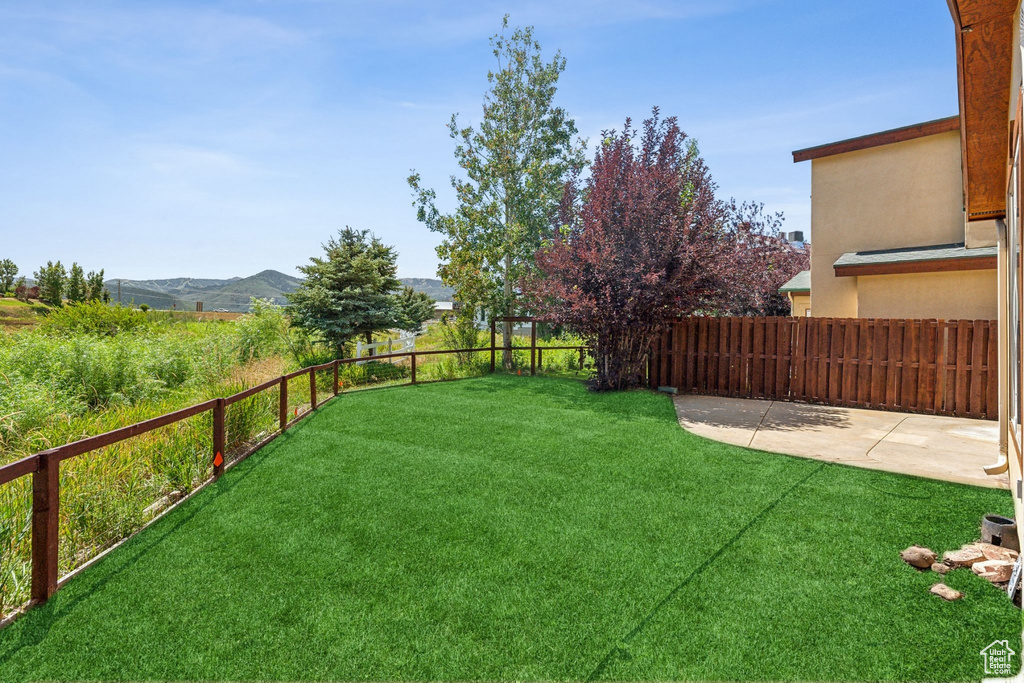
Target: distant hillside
[[235, 293], [232, 294], [177, 285], [431, 287]]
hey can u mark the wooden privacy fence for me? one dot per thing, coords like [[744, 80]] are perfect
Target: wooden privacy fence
[[941, 367], [44, 467]]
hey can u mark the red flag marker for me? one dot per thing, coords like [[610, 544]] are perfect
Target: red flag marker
[[218, 460]]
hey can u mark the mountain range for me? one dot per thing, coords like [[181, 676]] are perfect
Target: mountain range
[[232, 294]]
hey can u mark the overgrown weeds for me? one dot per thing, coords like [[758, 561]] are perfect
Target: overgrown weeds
[[90, 369]]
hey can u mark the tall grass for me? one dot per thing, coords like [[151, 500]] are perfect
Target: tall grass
[[84, 372]]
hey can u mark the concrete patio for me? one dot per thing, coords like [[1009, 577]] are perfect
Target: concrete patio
[[947, 448]]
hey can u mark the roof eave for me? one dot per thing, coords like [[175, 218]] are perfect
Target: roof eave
[[885, 137], [920, 266]]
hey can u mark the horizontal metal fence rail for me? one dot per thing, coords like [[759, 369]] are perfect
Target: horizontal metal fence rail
[[937, 367], [44, 467]]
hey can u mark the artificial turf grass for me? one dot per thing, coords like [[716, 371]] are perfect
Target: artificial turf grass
[[518, 528]]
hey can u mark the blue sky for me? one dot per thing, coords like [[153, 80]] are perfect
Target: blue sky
[[214, 139]]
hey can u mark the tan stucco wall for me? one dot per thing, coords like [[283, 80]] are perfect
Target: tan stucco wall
[[967, 294], [906, 194], [799, 304]]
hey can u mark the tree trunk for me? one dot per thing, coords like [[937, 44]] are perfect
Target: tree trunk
[[369, 340], [619, 358], [506, 327]]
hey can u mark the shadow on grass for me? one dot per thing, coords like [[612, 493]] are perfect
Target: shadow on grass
[[33, 626], [572, 394]]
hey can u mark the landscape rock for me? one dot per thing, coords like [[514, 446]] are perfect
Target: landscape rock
[[965, 557], [996, 571], [919, 557], [940, 568], [997, 552], [945, 592]]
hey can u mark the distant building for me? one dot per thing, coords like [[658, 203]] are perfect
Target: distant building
[[798, 291], [443, 307]]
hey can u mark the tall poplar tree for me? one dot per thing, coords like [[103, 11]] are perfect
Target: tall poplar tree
[[52, 281], [76, 287], [8, 272], [94, 286], [515, 165]]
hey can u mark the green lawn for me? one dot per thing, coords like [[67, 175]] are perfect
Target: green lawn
[[521, 528], [19, 309]]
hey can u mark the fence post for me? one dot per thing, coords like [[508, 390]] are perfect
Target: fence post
[[582, 357], [45, 526], [218, 438], [412, 372], [336, 364], [493, 339], [312, 389], [540, 358], [533, 347], [283, 413]]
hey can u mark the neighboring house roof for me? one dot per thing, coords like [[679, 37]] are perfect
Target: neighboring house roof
[[885, 137], [801, 282], [928, 259]]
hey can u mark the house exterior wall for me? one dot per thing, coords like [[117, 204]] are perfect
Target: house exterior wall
[[905, 194], [1014, 457], [957, 295], [799, 304]]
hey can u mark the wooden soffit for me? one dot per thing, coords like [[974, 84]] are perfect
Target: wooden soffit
[[933, 266], [984, 59]]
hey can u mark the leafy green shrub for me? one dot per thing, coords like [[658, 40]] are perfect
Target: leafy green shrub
[[307, 351], [263, 332], [93, 317], [459, 332]]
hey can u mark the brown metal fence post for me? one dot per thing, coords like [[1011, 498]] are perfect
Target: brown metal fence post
[[582, 357], [218, 438], [312, 389], [283, 411], [533, 347], [493, 340], [336, 364], [540, 358], [45, 526], [412, 368]]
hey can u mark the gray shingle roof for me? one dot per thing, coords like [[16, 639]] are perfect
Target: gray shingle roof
[[801, 282], [910, 254]]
